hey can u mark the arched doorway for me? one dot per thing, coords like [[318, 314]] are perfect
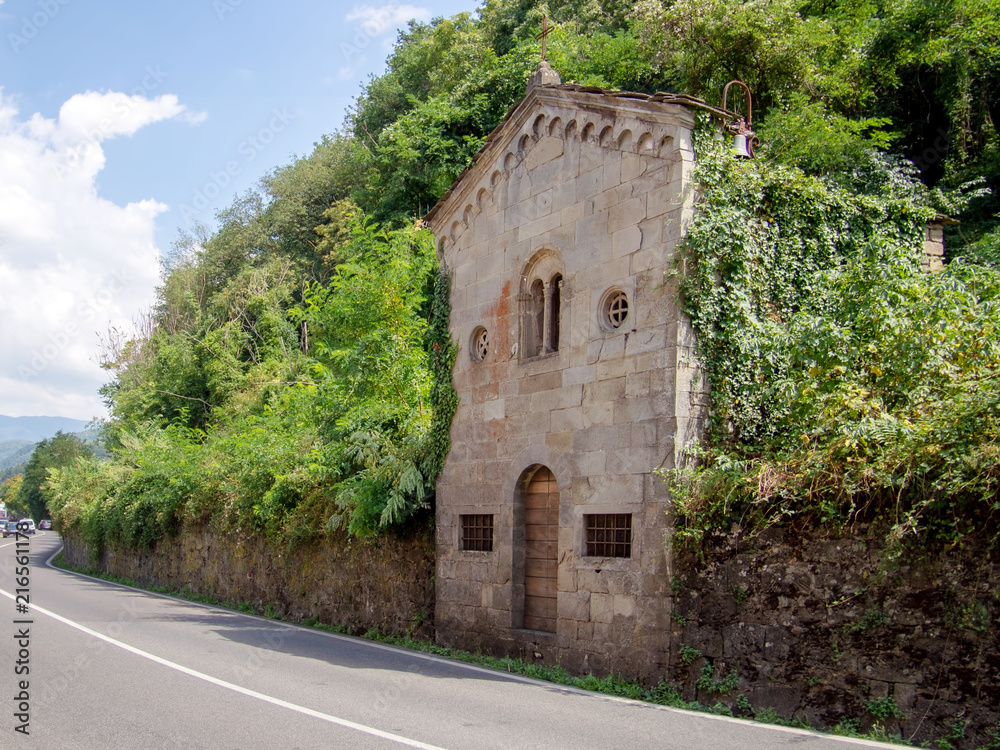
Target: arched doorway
[[541, 543]]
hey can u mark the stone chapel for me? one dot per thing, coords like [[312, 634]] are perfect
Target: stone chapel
[[576, 379]]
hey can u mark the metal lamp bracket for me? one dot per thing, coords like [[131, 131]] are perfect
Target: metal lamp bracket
[[741, 128]]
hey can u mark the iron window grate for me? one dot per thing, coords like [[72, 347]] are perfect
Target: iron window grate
[[477, 532], [609, 535], [480, 344], [617, 309]]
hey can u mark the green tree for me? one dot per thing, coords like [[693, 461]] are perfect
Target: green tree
[[9, 491], [703, 44], [295, 372], [62, 450], [507, 24], [369, 335], [935, 67], [420, 155]]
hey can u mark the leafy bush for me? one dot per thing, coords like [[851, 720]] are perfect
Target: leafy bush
[[356, 437]]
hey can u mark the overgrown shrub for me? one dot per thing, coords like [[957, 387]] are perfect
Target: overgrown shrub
[[357, 438], [846, 383]]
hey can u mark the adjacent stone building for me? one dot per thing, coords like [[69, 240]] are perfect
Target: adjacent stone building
[[576, 379]]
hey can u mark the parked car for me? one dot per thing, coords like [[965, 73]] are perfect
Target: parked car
[[45, 523], [9, 529]]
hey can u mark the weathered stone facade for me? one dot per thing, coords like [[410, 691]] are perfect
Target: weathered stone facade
[[573, 358]]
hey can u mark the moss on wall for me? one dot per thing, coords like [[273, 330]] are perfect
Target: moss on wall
[[384, 582]]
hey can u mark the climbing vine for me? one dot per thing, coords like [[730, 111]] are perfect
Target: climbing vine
[[756, 254], [846, 383], [444, 400]]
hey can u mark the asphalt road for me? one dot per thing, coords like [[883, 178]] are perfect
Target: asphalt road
[[114, 667]]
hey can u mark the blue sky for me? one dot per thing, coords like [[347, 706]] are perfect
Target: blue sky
[[124, 123]]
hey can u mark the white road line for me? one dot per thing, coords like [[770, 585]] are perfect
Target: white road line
[[7, 544], [509, 676], [235, 688]]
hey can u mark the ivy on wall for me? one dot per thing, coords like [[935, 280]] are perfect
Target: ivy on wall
[[443, 398], [846, 383], [761, 241]]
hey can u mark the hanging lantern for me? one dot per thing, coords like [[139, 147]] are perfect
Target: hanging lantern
[[744, 139]]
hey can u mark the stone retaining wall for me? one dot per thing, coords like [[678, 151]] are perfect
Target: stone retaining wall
[[385, 583], [821, 628], [815, 627]]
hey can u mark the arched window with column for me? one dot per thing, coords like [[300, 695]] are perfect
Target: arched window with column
[[541, 304], [554, 312], [537, 323]]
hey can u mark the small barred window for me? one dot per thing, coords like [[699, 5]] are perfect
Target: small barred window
[[609, 534], [477, 532], [616, 309]]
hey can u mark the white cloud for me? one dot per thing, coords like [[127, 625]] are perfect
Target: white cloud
[[103, 116], [71, 262], [376, 21]]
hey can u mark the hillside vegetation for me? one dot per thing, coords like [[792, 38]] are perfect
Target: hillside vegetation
[[13, 453], [294, 377]]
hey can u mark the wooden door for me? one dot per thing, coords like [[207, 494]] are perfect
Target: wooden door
[[541, 543]]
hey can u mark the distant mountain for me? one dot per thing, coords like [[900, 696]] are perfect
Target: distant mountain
[[14, 452], [34, 429]]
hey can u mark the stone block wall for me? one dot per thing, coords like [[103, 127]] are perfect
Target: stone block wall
[[384, 583], [933, 258], [823, 628]]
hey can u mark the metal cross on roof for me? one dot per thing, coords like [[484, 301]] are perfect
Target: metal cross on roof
[[544, 36]]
